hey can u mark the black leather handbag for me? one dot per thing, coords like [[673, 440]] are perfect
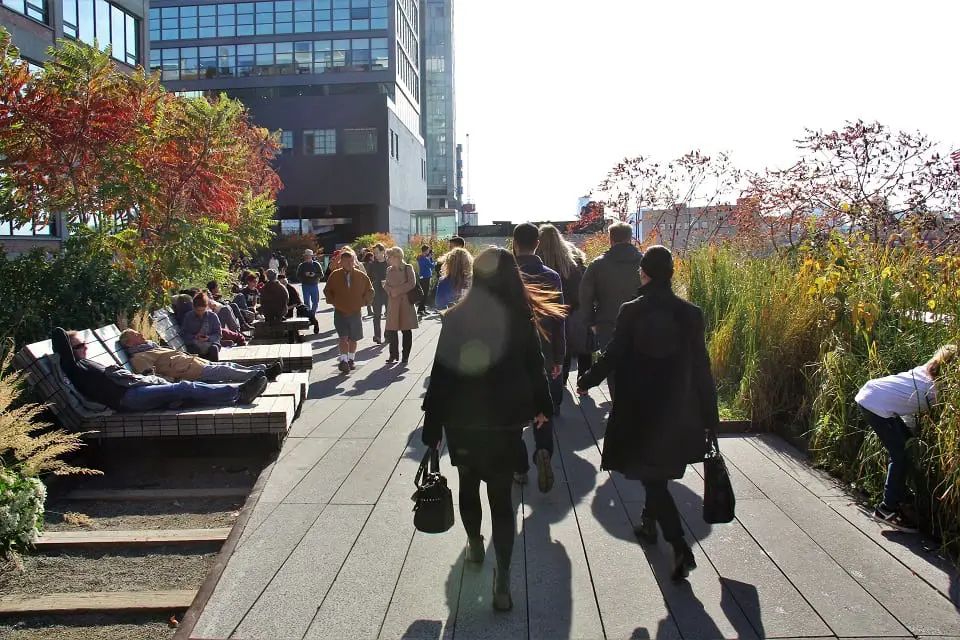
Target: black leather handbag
[[433, 508], [719, 502]]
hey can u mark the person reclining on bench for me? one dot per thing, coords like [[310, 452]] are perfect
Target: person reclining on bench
[[147, 356], [122, 390]]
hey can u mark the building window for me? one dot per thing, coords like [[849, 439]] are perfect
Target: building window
[[359, 141], [320, 142], [282, 17], [34, 9], [103, 23], [286, 142]]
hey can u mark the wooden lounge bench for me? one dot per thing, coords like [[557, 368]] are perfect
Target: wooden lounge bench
[[288, 330], [267, 414], [295, 357], [287, 384]]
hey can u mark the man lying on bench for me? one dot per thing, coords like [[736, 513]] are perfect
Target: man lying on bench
[[148, 356], [121, 390]]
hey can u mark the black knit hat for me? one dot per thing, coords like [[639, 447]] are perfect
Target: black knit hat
[[657, 263]]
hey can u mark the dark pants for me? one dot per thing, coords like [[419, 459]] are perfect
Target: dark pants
[[425, 285], [502, 515], [584, 363], [206, 350], [661, 507], [893, 433], [407, 343]]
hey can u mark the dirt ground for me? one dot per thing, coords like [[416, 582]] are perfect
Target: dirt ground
[[89, 627], [193, 513]]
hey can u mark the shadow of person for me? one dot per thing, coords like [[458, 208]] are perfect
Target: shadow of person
[[739, 596], [326, 388], [378, 379], [423, 630]]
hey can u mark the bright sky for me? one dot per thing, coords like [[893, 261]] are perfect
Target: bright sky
[[555, 93]]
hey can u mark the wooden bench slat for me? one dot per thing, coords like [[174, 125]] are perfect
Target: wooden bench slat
[[95, 601], [58, 539]]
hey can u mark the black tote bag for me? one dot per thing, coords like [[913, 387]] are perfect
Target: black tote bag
[[433, 511], [719, 502]]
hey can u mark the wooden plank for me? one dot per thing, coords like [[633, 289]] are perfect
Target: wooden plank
[[97, 601], [109, 537], [157, 494]]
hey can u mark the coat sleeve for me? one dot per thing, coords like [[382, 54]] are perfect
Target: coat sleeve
[[533, 363], [588, 286], [437, 393], [216, 330], [702, 375], [615, 348], [329, 292], [61, 346], [558, 340], [367, 290]]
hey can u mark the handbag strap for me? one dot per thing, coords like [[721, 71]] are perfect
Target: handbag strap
[[429, 464]]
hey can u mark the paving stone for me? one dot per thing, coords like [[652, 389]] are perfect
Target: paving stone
[[357, 602], [774, 607], [290, 470], [917, 606], [338, 422], [424, 604], [261, 511], [252, 567], [796, 464], [288, 604], [323, 480], [380, 411], [919, 554], [312, 413]]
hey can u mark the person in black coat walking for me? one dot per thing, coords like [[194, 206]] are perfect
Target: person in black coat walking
[[487, 383], [666, 403]]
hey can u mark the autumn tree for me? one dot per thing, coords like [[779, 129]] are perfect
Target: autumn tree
[[172, 185], [682, 202]]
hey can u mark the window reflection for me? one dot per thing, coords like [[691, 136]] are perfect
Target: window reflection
[[35, 9], [106, 24]]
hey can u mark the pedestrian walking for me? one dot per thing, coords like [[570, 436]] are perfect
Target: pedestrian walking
[[348, 289], [309, 273], [401, 313], [667, 402], [888, 404], [377, 272], [425, 265], [487, 383], [526, 240]]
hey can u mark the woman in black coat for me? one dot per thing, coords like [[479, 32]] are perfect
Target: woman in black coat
[[659, 421], [487, 383]]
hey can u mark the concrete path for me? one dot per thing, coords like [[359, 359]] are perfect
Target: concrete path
[[330, 551]]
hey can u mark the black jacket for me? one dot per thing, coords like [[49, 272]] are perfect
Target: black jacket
[[487, 383], [608, 282], [106, 385], [665, 397], [554, 346]]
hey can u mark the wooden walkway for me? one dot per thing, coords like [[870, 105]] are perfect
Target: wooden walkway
[[330, 551]]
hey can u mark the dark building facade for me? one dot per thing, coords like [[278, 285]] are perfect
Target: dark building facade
[[339, 78], [35, 26], [439, 109]]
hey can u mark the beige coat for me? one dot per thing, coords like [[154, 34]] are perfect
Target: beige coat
[[168, 363], [401, 314]]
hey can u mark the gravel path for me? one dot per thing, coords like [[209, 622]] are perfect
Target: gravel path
[[193, 513], [88, 627], [156, 568]]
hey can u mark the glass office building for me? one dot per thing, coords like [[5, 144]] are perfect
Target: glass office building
[[340, 79], [439, 112]]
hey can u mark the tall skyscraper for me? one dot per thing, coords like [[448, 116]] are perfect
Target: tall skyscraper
[[339, 78], [439, 112]]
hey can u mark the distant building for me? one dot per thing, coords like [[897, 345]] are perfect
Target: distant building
[[439, 108], [685, 228]]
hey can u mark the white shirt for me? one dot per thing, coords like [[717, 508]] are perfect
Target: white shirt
[[903, 394], [273, 264]]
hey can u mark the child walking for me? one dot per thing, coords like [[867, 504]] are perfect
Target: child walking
[[348, 290]]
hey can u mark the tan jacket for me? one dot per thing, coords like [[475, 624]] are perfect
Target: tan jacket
[[169, 363], [348, 300], [401, 314]]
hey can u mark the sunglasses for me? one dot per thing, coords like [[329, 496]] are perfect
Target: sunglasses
[[82, 345]]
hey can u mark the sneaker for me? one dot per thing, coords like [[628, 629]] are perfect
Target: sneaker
[[894, 519], [273, 371], [475, 550], [520, 478], [646, 531], [343, 366], [544, 470], [252, 388], [351, 364], [392, 359], [683, 561]]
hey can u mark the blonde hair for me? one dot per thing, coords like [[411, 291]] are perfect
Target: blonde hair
[[555, 251], [395, 251], [458, 266], [126, 336], [944, 355]]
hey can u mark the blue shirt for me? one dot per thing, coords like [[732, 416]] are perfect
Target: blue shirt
[[208, 324], [426, 266]]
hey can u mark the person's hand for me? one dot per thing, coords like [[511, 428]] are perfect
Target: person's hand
[[557, 370], [539, 420]]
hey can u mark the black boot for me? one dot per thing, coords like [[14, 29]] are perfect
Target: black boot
[[316, 325], [646, 531], [501, 590], [683, 560]]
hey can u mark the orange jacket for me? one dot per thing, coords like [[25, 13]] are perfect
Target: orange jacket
[[348, 300]]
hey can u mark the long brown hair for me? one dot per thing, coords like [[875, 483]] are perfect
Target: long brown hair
[[555, 252], [496, 272]]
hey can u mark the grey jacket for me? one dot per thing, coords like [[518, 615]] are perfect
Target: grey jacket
[[608, 282]]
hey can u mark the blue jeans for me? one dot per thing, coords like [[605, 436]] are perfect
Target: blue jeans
[[174, 395], [311, 297], [230, 372], [893, 433]]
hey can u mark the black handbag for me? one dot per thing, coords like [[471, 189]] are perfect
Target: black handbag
[[433, 511], [416, 294], [719, 502]]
